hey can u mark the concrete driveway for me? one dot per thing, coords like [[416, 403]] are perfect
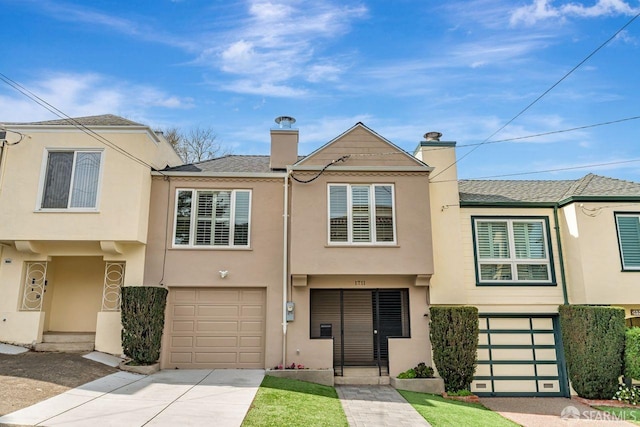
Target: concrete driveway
[[550, 412], [167, 398]]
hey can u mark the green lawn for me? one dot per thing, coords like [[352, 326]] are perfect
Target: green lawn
[[440, 412], [627, 414], [283, 402]]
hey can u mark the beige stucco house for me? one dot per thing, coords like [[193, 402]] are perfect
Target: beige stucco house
[[516, 250], [74, 208]]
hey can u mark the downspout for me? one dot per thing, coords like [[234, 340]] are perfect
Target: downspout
[[2, 150], [285, 265], [565, 295]]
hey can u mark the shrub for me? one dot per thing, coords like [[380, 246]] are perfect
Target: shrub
[[454, 337], [142, 318], [632, 353], [628, 394], [419, 371], [593, 340]]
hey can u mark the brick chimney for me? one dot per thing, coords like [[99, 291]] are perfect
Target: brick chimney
[[284, 143]]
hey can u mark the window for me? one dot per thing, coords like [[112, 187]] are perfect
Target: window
[[71, 180], [361, 214], [512, 251], [212, 218], [629, 240]]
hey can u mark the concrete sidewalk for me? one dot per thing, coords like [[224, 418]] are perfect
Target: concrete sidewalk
[[167, 398], [377, 406]]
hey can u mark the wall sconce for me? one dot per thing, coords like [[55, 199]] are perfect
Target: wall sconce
[[223, 273]]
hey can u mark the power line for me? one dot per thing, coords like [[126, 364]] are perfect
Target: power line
[[543, 94], [49, 107]]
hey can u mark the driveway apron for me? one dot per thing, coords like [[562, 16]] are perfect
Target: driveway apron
[[550, 412], [377, 406], [168, 398]]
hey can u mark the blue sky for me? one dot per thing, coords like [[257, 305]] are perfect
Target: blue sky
[[464, 68]]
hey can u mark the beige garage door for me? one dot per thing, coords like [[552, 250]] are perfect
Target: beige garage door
[[519, 356], [215, 328]]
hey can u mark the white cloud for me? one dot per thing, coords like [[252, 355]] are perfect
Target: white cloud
[[279, 42], [86, 94], [540, 10], [263, 88]]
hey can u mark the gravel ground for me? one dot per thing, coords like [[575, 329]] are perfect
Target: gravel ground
[[550, 412], [31, 377]]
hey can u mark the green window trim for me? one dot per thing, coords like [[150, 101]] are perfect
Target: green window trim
[[512, 251], [628, 230]]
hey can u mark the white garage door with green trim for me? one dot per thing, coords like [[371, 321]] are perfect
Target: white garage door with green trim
[[520, 356], [214, 328]]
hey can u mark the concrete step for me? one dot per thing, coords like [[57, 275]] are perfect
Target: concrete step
[[362, 380], [68, 337], [65, 347], [361, 371]]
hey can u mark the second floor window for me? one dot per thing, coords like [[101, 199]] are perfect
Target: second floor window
[[71, 180], [629, 239], [213, 218], [361, 214], [512, 251]]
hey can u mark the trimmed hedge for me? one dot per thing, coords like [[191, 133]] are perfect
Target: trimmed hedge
[[593, 340], [142, 316], [454, 337], [632, 353]]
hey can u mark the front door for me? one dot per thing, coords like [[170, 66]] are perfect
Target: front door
[[360, 323]]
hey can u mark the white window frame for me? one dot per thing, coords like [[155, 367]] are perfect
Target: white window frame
[[194, 216], [372, 215], [43, 178], [512, 260]]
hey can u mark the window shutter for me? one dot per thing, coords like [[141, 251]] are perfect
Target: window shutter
[[338, 227], [223, 217], [529, 240], [183, 218], [85, 180], [533, 272], [492, 240], [384, 213], [241, 224], [204, 218], [629, 233], [361, 215]]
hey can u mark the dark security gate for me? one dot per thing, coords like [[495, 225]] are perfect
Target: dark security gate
[[360, 323]]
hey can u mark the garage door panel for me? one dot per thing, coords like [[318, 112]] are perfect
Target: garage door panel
[[182, 326], [512, 354], [510, 339], [183, 310], [514, 386], [218, 342], [215, 328], [218, 310], [178, 341], [518, 356], [514, 370], [218, 326]]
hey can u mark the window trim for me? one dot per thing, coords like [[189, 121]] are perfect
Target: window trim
[[193, 219], [616, 214], [512, 260], [372, 215], [43, 178]]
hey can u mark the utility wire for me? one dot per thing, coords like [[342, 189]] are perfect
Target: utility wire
[[542, 95], [333, 162], [46, 105]]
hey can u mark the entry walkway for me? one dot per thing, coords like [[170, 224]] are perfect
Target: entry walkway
[[377, 406], [168, 398]]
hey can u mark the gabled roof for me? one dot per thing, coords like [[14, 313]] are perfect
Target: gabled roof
[[358, 155], [516, 191], [101, 120], [229, 163]]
